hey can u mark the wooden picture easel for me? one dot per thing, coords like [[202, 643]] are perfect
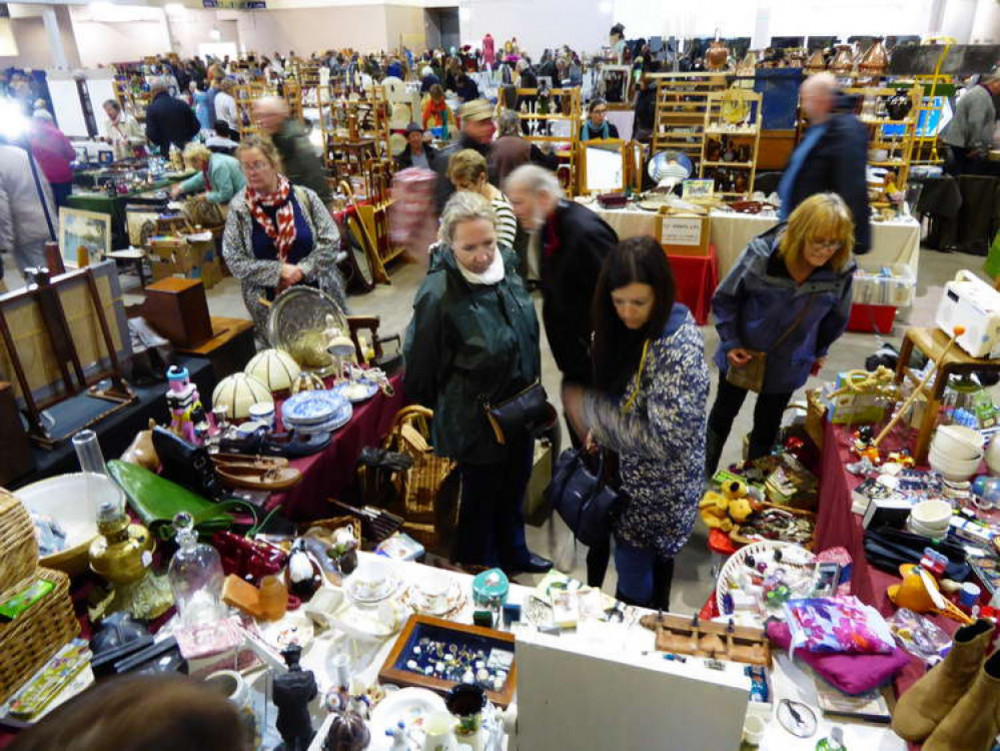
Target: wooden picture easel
[[57, 343]]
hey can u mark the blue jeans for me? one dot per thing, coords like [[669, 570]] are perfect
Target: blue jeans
[[491, 516], [643, 577]]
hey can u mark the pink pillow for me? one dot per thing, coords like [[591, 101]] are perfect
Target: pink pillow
[[852, 674]]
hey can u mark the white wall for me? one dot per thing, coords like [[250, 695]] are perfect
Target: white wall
[[122, 34], [33, 41], [307, 30], [538, 24], [190, 27], [986, 23]]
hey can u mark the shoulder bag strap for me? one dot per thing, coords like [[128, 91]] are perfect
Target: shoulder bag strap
[[794, 325]]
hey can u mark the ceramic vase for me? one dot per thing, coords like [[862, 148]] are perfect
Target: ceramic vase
[[899, 105], [816, 62]]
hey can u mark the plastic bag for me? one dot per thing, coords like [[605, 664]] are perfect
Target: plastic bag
[[837, 625], [920, 636]]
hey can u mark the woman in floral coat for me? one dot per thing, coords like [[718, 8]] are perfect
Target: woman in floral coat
[[648, 409]]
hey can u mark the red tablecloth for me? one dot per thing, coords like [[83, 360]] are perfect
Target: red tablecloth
[[836, 525], [327, 473], [695, 277]]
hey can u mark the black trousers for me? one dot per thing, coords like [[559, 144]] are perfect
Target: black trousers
[[766, 421], [491, 515]]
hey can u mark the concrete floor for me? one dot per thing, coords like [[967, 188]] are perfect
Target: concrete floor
[[692, 576]]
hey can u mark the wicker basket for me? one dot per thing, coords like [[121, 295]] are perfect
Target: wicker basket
[[30, 640], [18, 546], [420, 485]]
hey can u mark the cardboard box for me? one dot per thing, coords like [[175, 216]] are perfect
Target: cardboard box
[[179, 257], [684, 235]]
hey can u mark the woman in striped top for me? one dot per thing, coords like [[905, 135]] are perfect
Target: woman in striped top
[[467, 171]]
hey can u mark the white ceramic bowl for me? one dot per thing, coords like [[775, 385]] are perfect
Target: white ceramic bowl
[[948, 457], [993, 456], [932, 514], [954, 470], [958, 441]]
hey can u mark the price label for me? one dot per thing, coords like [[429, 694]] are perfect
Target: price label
[[681, 231]]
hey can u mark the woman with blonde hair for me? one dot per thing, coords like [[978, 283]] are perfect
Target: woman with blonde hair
[[778, 311], [218, 175], [467, 171], [473, 342]]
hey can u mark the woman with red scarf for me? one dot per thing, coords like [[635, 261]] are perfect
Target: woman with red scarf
[[278, 234]]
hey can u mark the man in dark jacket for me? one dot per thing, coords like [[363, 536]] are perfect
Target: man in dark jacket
[[832, 156], [417, 153], [169, 121], [301, 163], [477, 134], [573, 241]]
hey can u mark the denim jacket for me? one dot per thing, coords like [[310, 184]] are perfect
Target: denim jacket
[[758, 301]]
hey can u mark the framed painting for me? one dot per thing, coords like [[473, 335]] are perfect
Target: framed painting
[[83, 235]]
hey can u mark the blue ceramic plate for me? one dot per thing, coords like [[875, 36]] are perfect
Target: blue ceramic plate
[[365, 390], [338, 420], [312, 408]]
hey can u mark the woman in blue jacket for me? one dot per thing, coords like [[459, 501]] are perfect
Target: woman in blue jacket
[[789, 295]]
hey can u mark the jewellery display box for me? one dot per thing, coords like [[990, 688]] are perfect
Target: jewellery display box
[[437, 654], [691, 636]]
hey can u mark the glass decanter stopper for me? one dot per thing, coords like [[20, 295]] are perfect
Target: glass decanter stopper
[[195, 576]]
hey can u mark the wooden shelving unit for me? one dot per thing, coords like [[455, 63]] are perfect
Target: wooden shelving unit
[[571, 113], [681, 104], [898, 146], [732, 121], [245, 95]]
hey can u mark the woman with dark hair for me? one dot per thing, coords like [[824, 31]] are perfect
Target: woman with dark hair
[[596, 126], [647, 411]]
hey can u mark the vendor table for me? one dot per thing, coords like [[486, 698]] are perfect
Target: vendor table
[[328, 473], [894, 242], [114, 206], [837, 525]]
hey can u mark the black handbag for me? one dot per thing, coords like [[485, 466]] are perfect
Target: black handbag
[[527, 411], [583, 498]]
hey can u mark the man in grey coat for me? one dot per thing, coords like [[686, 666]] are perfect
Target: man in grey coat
[[301, 162], [969, 134], [28, 217]]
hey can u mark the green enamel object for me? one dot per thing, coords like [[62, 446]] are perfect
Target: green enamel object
[[157, 500]]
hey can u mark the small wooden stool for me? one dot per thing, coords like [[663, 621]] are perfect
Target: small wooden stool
[[931, 342]]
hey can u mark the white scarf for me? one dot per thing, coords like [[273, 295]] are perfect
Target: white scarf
[[494, 274]]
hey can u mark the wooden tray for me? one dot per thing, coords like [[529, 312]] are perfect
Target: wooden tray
[[418, 626], [690, 636]]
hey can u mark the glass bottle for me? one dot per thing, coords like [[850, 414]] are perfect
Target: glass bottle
[[273, 598], [196, 576]]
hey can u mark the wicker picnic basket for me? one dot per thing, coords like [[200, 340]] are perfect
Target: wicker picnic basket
[[420, 486], [18, 546], [30, 640]]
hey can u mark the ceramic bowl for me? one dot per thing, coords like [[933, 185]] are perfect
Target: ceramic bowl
[[932, 514], [65, 499], [993, 456], [946, 459], [958, 441], [954, 470]]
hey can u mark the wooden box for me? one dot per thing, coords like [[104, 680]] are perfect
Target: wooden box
[[683, 235], [178, 310], [421, 630]]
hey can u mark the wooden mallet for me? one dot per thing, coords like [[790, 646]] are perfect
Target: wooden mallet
[[956, 332]]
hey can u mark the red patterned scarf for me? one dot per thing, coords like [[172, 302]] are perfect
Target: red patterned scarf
[[283, 236]]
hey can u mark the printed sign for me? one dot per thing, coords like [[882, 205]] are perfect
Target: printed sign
[[681, 230]]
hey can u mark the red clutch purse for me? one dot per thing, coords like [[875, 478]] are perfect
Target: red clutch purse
[[244, 557]]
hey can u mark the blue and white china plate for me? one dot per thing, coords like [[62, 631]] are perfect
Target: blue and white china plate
[[338, 420], [312, 408]]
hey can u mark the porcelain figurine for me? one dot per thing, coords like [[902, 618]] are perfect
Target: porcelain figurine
[[185, 405], [717, 55], [303, 575]]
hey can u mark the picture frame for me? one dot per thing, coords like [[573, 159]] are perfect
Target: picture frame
[[81, 229], [603, 166], [419, 627]]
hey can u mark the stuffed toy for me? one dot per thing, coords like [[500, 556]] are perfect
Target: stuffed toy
[[714, 511]]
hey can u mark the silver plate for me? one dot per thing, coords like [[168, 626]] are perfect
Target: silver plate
[[299, 314]]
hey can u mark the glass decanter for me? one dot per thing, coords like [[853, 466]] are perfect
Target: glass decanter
[[195, 576]]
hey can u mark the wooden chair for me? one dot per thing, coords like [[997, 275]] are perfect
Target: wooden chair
[[388, 363]]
